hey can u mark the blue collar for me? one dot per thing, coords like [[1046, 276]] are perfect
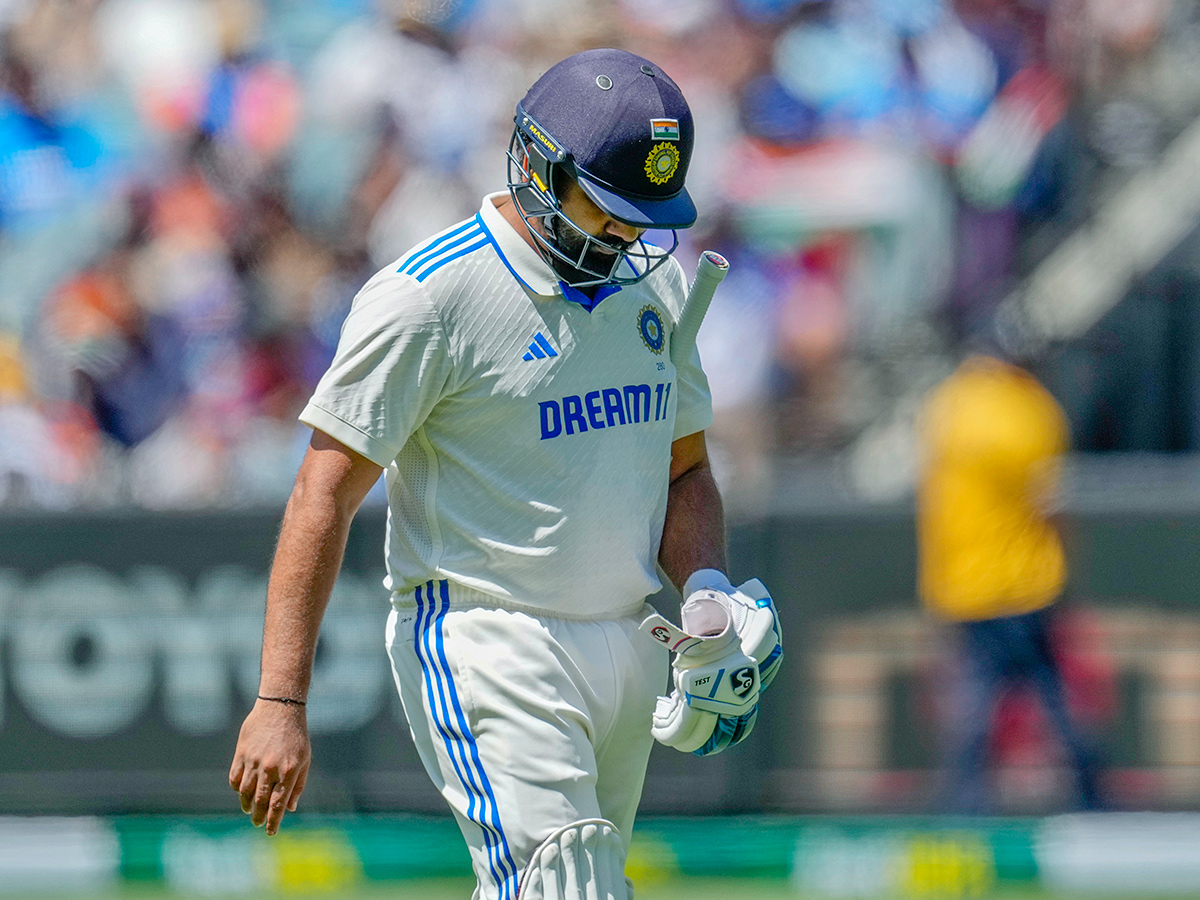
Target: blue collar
[[575, 295]]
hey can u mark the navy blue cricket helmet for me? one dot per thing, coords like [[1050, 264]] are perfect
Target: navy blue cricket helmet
[[617, 125]]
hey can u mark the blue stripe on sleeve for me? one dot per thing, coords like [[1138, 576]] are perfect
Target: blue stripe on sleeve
[[439, 245], [441, 261]]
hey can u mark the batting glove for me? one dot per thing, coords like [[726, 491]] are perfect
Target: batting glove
[[719, 674], [716, 689]]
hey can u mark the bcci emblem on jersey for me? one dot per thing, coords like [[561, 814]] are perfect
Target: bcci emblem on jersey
[[650, 327]]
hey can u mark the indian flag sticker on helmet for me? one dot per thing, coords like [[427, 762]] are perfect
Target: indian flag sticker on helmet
[[662, 163], [664, 129]]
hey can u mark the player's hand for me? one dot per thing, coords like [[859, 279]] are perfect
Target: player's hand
[[718, 679], [716, 686], [270, 764]]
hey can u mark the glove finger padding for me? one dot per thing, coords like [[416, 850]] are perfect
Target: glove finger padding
[[729, 731], [680, 726], [681, 722]]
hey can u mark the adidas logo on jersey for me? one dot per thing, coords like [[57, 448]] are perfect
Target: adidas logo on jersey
[[539, 349]]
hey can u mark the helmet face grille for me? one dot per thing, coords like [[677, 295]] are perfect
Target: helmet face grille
[[589, 260]]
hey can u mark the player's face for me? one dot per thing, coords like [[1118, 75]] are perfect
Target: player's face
[[579, 209]]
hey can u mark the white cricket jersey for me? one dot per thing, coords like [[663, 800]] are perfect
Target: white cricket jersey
[[526, 441]]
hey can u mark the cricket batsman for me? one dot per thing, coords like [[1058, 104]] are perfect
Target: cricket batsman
[[528, 384]]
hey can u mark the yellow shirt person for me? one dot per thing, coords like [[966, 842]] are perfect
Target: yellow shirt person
[[993, 439], [992, 564]]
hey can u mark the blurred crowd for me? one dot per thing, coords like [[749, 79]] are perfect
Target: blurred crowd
[[191, 192]]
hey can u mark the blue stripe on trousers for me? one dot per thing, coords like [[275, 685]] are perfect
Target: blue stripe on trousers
[[509, 864], [460, 743], [440, 717]]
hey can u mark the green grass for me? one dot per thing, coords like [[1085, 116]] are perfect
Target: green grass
[[460, 889], [678, 888]]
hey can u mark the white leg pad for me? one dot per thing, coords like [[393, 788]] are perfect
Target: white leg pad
[[581, 861]]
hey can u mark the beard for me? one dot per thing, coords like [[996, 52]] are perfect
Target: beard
[[570, 242]]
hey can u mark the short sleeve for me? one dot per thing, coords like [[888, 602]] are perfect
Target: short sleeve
[[694, 412], [391, 367]]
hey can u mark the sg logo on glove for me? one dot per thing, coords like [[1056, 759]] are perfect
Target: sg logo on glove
[[742, 681]]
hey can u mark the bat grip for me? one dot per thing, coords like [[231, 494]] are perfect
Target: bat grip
[[710, 272]]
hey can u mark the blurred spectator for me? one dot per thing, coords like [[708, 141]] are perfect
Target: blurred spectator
[[1023, 736], [46, 455], [45, 159], [54, 172], [191, 191], [992, 563], [125, 360]]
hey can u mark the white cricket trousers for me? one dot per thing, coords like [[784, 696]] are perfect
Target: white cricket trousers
[[525, 723]]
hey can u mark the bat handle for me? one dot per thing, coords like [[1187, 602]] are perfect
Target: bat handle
[[713, 267], [710, 272]]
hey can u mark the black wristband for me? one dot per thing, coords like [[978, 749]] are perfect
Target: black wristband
[[286, 701]]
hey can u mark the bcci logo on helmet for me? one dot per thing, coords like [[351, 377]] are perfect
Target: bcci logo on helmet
[[662, 163]]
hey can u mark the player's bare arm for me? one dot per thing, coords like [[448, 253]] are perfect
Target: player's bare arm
[[694, 531], [270, 764]]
